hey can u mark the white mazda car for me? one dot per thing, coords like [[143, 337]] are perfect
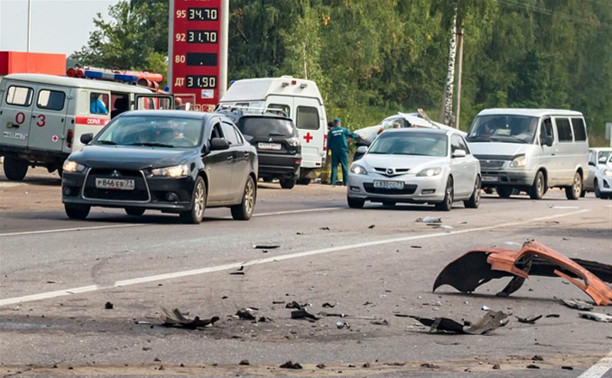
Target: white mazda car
[[416, 166]]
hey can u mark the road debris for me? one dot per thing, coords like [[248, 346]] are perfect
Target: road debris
[[176, 319], [496, 367], [328, 305], [244, 362], [485, 308], [382, 322], [245, 314], [332, 314], [324, 228], [529, 320], [341, 325], [480, 266], [266, 246], [596, 316], [577, 304], [303, 314], [291, 365], [238, 272], [321, 366], [429, 365], [429, 220], [489, 322], [537, 357], [371, 226], [532, 366], [296, 305], [553, 316], [416, 246], [108, 306]]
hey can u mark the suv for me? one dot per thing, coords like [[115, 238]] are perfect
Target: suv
[[275, 137]]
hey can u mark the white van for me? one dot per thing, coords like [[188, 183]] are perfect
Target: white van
[[43, 116], [531, 150], [299, 100]]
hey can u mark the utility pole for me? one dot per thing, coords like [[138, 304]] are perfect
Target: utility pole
[[29, 25], [459, 66]]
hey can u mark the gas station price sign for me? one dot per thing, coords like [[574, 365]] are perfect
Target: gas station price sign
[[196, 49]]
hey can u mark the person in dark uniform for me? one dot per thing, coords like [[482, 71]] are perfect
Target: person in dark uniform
[[338, 145]]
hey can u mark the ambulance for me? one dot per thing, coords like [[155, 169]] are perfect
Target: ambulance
[[297, 99], [43, 116]]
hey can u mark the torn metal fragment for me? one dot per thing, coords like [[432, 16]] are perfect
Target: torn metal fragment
[[245, 314], [176, 319], [529, 320], [303, 314], [577, 304], [596, 316], [489, 322]]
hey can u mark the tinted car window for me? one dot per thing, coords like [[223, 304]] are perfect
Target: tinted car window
[[564, 130], [229, 133], [265, 127], [423, 144], [307, 118], [52, 100], [579, 131], [152, 131], [546, 130]]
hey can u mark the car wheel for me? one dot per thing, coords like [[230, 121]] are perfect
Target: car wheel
[[474, 200], [15, 169], [244, 211], [537, 189], [505, 191], [449, 192], [597, 191], [198, 203], [77, 211], [355, 203], [288, 183], [135, 211], [389, 203], [573, 192]]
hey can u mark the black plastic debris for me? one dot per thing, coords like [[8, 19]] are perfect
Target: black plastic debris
[[328, 305], [295, 305], [429, 365], [537, 357], [245, 314], [567, 368], [321, 366], [238, 272], [529, 320], [577, 304], [489, 322], [108, 306], [303, 314], [266, 246], [416, 246], [176, 319], [324, 228], [596, 317], [532, 366], [244, 362], [291, 365], [371, 226], [552, 316]]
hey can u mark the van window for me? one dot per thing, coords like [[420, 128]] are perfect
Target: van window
[[546, 130], [52, 100], [579, 131], [564, 129], [307, 118], [283, 108], [21, 96], [98, 103]]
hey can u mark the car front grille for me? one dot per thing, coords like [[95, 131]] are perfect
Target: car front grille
[[491, 164], [408, 189], [139, 194]]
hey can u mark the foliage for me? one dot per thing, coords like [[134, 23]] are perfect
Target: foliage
[[374, 58]]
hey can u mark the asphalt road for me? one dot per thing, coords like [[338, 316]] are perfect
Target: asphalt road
[[371, 264]]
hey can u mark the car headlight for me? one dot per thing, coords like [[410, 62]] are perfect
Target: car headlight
[[358, 170], [518, 162], [71, 166], [176, 171], [429, 172], [608, 172]]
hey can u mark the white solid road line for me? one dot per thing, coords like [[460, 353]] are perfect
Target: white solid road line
[[236, 265], [21, 233], [600, 368]]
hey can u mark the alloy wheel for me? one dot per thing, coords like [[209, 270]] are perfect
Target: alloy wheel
[[199, 200]]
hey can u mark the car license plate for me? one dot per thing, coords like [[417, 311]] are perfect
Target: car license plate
[[389, 184], [269, 146], [114, 184], [489, 178]]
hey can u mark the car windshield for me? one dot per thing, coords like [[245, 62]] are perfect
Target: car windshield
[[605, 154], [265, 127], [412, 143], [503, 128], [152, 131]]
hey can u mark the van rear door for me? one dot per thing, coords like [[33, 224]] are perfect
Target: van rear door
[[16, 113], [310, 121], [47, 129]]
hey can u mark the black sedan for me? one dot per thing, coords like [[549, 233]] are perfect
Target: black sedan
[[173, 161]]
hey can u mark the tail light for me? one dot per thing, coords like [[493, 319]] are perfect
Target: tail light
[[298, 161], [325, 143], [69, 138]]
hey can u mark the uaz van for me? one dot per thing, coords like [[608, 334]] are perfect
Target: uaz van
[[43, 116], [531, 150]]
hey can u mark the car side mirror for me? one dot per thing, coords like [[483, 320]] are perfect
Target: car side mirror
[[86, 138], [362, 149], [218, 144], [459, 154], [547, 141], [603, 160]]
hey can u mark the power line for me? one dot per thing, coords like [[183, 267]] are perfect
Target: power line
[[549, 12]]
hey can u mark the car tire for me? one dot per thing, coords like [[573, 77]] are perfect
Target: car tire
[[198, 203], [288, 183], [134, 211], [474, 201], [573, 192], [355, 203], [504, 191], [303, 181], [15, 169], [597, 191], [449, 192], [538, 188], [77, 211], [244, 211], [389, 203]]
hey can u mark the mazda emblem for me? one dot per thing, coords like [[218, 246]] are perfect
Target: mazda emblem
[[389, 171]]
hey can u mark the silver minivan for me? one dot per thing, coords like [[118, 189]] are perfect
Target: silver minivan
[[531, 150]]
